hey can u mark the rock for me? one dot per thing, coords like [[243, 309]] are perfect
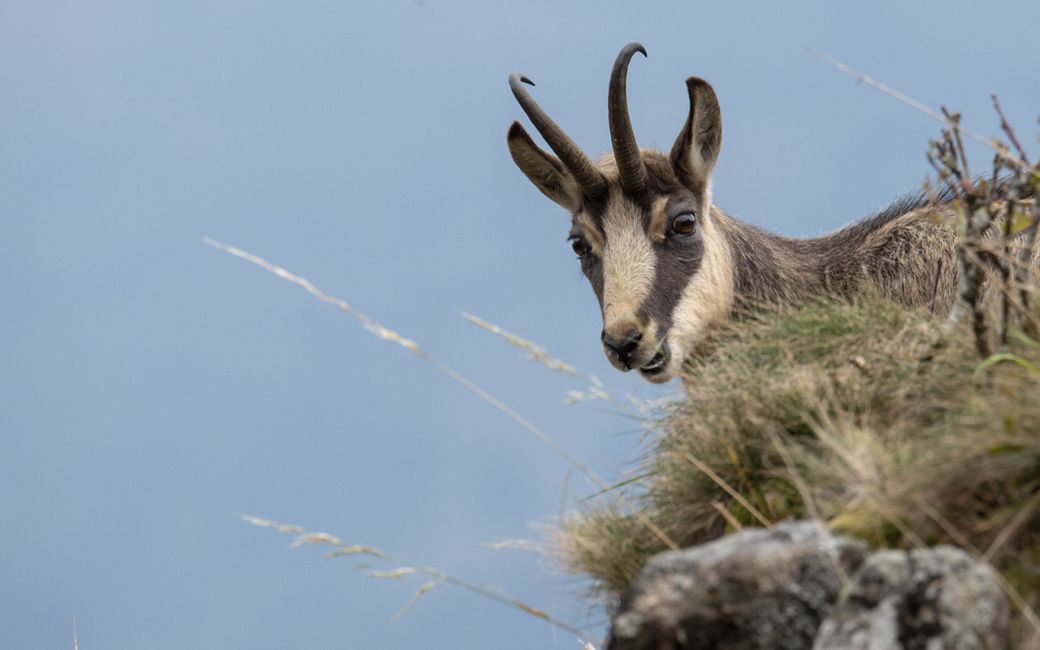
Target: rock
[[929, 599], [756, 589]]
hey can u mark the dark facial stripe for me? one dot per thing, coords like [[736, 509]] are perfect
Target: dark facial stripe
[[674, 262], [594, 272], [677, 259]]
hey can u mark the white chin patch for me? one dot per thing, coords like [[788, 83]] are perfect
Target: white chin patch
[[658, 377], [670, 368], [661, 366]]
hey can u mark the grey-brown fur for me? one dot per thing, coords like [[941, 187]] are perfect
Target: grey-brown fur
[[668, 267], [906, 252], [903, 252]]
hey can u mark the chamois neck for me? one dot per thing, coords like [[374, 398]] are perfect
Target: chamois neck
[[768, 269]]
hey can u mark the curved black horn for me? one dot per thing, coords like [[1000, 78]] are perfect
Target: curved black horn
[[592, 182], [622, 137]]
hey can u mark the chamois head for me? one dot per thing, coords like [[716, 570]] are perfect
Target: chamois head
[[641, 224]]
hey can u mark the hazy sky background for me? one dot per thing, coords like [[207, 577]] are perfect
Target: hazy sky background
[[154, 389]]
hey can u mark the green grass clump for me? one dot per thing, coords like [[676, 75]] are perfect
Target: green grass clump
[[828, 410]]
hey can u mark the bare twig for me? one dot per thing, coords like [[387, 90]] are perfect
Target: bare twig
[[1006, 127], [963, 171], [1024, 268], [935, 286], [870, 81], [1006, 256], [947, 160], [920, 106]]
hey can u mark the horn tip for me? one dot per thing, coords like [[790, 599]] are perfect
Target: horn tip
[[517, 78], [634, 47]]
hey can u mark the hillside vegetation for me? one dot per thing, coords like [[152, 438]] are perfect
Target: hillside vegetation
[[894, 426], [851, 413]]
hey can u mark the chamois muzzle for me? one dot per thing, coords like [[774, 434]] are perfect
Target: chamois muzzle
[[625, 347], [631, 350]]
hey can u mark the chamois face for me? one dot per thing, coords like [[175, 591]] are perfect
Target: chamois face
[[650, 265], [641, 226]]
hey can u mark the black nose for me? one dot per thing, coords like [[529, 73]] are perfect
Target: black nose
[[625, 346]]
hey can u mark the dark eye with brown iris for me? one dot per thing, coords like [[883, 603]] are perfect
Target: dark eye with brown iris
[[684, 223], [580, 246]]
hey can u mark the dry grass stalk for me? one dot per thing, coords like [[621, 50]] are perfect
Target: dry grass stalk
[[423, 589], [594, 391], [730, 491], [732, 521], [405, 568], [514, 545], [535, 352], [387, 334], [538, 354]]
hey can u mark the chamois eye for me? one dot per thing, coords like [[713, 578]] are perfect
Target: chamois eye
[[684, 223], [580, 246]]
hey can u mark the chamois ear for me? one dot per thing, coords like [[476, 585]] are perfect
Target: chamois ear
[[698, 144], [545, 170]]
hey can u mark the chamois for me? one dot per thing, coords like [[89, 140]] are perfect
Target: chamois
[[668, 267]]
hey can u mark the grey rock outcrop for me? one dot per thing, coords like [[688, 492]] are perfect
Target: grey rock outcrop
[[929, 599], [753, 590], [781, 589]]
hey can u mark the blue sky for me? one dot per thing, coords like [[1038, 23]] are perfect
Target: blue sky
[[155, 389]]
